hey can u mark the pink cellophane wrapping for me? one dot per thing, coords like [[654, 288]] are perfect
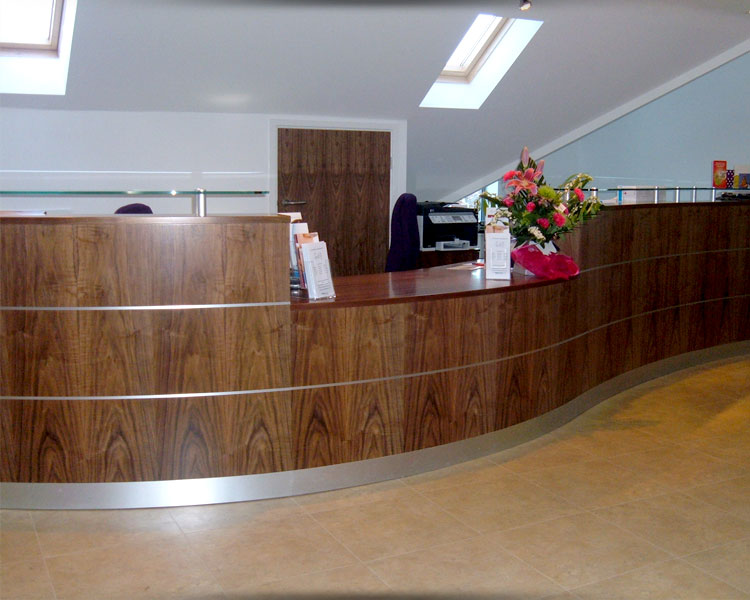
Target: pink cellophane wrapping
[[546, 266]]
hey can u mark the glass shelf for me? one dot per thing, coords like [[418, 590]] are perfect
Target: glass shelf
[[197, 195], [130, 193]]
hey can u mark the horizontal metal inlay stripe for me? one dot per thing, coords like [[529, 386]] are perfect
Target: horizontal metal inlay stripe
[[154, 307], [661, 257], [375, 379]]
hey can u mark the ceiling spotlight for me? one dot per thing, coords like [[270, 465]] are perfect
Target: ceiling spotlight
[[525, 5]]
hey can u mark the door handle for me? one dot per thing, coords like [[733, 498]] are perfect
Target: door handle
[[289, 203]]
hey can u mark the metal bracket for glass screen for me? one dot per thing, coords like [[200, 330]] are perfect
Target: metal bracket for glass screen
[[199, 203]]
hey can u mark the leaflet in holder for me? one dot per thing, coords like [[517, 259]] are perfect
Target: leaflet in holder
[[497, 251], [317, 270]]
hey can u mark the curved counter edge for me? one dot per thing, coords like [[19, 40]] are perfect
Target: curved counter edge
[[215, 490]]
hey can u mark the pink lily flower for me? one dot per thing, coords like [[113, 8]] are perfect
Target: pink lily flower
[[524, 181]]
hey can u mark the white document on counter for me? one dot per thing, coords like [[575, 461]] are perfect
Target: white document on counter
[[317, 270], [497, 255]]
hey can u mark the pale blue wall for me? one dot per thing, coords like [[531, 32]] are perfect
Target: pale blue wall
[[670, 141]]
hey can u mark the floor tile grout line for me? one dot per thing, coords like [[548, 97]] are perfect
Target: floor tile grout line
[[363, 561], [717, 546], [627, 572], [713, 575], [440, 507], [521, 560], [336, 538], [214, 572], [44, 558], [674, 555]]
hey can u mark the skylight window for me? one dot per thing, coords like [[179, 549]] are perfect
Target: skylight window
[[482, 58], [30, 24], [36, 37]]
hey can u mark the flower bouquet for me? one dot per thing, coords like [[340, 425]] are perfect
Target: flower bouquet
[[538, 214]]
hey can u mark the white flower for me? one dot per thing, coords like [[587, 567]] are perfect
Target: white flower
[[536, 232]]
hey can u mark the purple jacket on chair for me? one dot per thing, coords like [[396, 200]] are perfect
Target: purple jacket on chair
[[404, 252]]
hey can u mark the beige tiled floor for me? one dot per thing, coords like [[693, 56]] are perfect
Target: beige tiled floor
[[646, 495]]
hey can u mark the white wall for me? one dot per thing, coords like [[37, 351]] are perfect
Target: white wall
[[671, 141], [111, 150]]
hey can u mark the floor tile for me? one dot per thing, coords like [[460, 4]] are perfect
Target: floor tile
[[25, 580], [344, 582], [383, 529], [547, 451], [259, 552], [671, 580], [677, 523], [604, 441], [579, 549], [680, 468], [477, 566], [354, 496], [473, 471], [732, 495], [508, 501], [133, 570], [18, 539], [596, 483], [694, 421], [731, 447], [61, 531], [218, 516], [728, 562]]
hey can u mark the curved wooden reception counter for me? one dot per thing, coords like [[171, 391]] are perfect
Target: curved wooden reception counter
[[149, 361]]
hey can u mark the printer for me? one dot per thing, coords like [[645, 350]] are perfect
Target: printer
[[446, 227]]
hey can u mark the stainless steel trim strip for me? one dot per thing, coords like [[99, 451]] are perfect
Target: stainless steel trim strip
[[376, 379], [154, 307], [663, 256], [215, 490]]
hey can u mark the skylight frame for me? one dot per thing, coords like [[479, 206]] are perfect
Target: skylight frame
[[49, 47], [480, 51]]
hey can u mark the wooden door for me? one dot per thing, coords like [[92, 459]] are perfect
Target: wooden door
[[340, 182]]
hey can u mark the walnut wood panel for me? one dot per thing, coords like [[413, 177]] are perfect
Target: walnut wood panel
[[143, 261], [38, 265], [349, 345], [40, 353], [130, 264], [343, 179], [335, 425], [120, 440], [112, 353]]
